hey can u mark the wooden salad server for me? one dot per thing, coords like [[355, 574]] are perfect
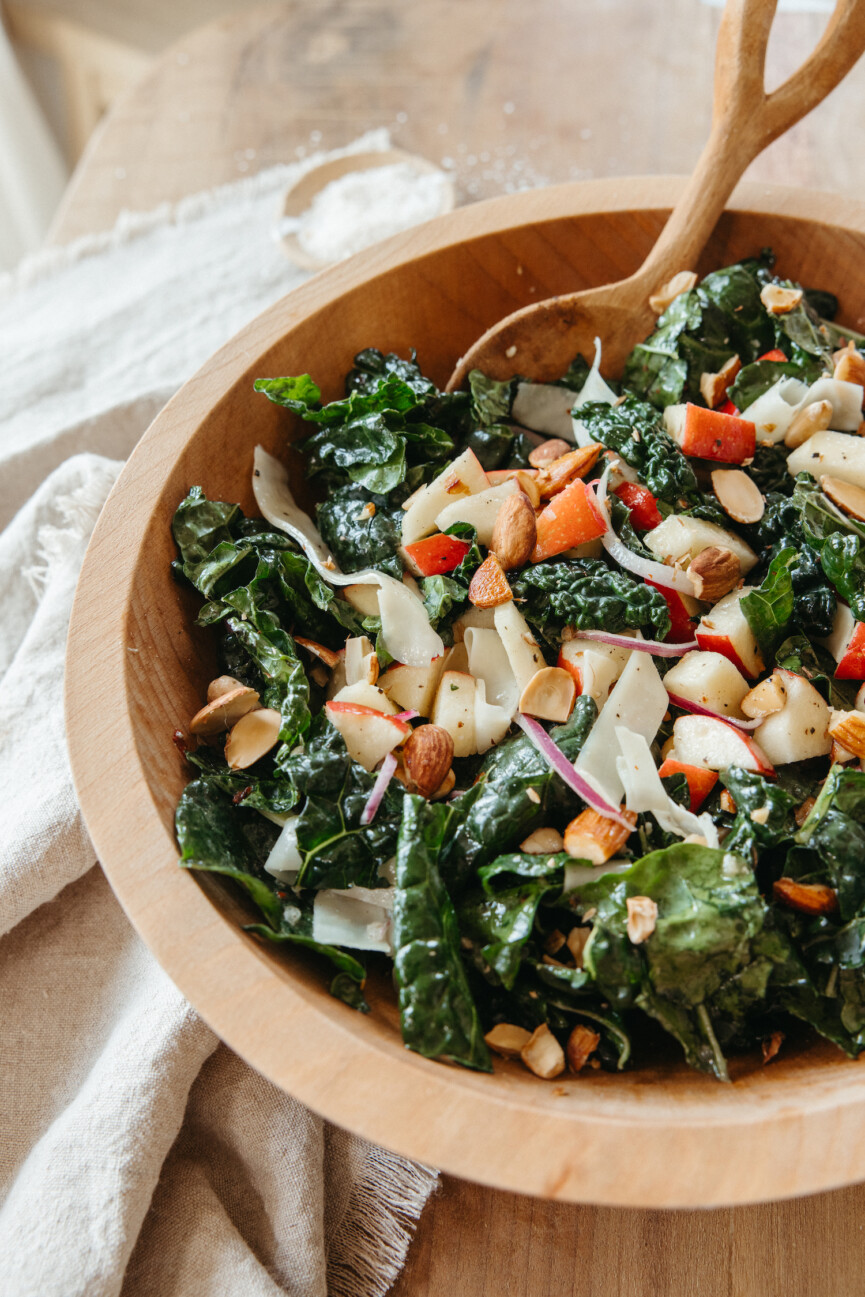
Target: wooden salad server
[[540, 341]]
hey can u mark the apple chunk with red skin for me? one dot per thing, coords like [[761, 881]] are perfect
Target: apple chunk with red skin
[[847, 645], [436, 555], [724, 629], [715, 745], [711, 434], [710, 680], [369, 735], [413, 687], [800, 730]]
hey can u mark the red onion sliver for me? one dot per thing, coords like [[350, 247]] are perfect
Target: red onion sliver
[[557, 761], [410, 715], [655, 647], [648, 569], [699, 710], [379, 788]]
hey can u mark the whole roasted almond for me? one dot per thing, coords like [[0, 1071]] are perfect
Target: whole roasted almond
[[548, 451], [489, 586], [515, 532], [738, 495], [225, 710], [561, 472], [582, 1042], [683, 282], [807, 898], [812, 418], [848, 497], [427, 754], [779, 300], [714, 573]]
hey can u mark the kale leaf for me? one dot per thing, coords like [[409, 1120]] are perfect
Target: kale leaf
[[769, 607], [634, 430], [843, 559], [357, 540], [751, 792], [589, 595]]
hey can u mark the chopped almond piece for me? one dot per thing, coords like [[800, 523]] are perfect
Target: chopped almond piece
[[771, 1046], [222, 685], [807, 898], [812, 418], [489, 585], [549, 695], [642, 917], [577, 938], [543, 842], [554, 477], [325, 655], [445, 788], [683, 282], [779, 300], [581, 1043], [507, 1039], [595, 837], [554, 942], [252, 737], [713, 387], [225, 711], [542, 1054]]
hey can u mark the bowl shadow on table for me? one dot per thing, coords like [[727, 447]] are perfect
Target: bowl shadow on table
[[436, 293]]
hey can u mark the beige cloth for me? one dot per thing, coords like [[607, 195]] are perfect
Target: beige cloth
[[137, 1155]]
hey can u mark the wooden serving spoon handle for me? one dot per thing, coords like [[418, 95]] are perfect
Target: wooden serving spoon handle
[[542, 339]]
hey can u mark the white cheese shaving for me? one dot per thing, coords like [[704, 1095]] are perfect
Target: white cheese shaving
[[342, 918], [544, 407], [644, 791], [638, 702], [405, 627], [594, 389], [285, 860]]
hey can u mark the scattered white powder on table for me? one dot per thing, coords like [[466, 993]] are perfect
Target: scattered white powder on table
[[362, 207]]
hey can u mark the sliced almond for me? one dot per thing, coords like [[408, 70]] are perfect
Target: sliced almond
[[849, 365], [224, 711], [489, 586], [727, 803], [222, 685], [515, 532], [528, 481], [814, 417], [848, 729], [576, 943], [807, 898], [771, 1046], [542, 1054], [714, 572], [779, 300], [683, 282], [546, 842], [642, 918], [713, 387], [848, 497], [325, 655], [595, 837], [549, 695], [765, 698], [802, 812], [554, 942], [566, 469], [445, 788], [548, 451], [582, 1042], [252, 737], [427, 755], [507, 1039], [738, 494], [360, 661]]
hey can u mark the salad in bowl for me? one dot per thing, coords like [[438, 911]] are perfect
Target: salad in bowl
[[556, 703]]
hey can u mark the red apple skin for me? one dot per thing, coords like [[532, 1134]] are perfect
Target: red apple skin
[[762, 764], [360, 709], [725, 438], [711, 642], [641, 505], [573, 671], [435, 555], [682, 627], [775, 354], [700, 781], [851, 665]]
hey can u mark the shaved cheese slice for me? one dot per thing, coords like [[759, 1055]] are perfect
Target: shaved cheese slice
[[644, 791], [285, 861], [491, 722], [578, 875], [520, 645], [488, 661], [344, 918], [544, 407], [594, 389], [638, 701], [405, 627], [773, 412]]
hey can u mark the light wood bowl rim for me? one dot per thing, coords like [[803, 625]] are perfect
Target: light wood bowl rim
[[778, 1138]]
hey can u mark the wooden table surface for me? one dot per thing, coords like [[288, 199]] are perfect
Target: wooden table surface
[[507, 94]]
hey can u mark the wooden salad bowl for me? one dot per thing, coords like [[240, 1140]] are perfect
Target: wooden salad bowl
[[659, 1135]]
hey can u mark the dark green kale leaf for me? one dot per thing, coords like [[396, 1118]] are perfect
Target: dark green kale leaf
[[820, 518], [801, 335], [295, 929], [221, 838], [270, 791], [515, 792], [831, 842], [284, 683], [372, 367], [499, 926], [751, 792], [843, 559], [635, 431], [769, 607], [335, 848], [345, 988], [755, 379], [438, 1015], [769, 468], [688, 974], [491, 399], [587, 594], [498, 446], [199, 525], [356, 540]]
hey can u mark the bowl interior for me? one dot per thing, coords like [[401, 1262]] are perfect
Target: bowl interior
[[649, 1137]]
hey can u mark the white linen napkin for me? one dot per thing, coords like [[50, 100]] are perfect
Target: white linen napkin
[[137, 1155]]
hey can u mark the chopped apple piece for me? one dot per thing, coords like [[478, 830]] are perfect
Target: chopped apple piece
[[709, 679], [573, 517], [684, 538], [837, 454], [715, 745], [725, 630], [364, 598], [479, 510], [594, 667], [847, 645], [413, 688], [710, 434], [800, 729], [368, 695], [369, 735], [700, 781], [454, 711], [463, 477], [435, 555]]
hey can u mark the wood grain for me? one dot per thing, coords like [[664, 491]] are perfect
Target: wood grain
[[659, 1135]]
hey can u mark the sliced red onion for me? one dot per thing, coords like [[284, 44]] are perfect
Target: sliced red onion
[[653, 646], [410, 715], [699, 710], [558, 762], [647, 568], [379, 788]]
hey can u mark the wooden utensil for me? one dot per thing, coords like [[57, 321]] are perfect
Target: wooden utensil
[[541, 340]]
